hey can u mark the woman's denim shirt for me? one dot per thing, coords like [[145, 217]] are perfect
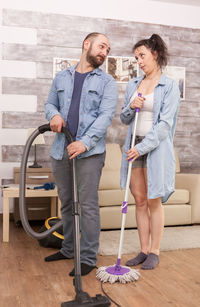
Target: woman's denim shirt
[[158, 143], [97, 107]]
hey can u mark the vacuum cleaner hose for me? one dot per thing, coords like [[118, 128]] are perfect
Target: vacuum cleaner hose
[[22, 187]]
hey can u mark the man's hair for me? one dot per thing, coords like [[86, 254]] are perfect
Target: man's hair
[[91, 37]]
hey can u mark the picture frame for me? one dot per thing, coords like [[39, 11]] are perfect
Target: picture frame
[[177, 73], [121, 68], [62, 63]]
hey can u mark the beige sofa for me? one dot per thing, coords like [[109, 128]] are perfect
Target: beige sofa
[[182, 208]]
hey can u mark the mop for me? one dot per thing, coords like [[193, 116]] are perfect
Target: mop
[[114, 273]]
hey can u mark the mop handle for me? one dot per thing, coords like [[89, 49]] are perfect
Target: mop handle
[[125, 203], [130, 161]]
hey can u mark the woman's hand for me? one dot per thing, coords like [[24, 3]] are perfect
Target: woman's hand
[[137, 102], [132, 154]]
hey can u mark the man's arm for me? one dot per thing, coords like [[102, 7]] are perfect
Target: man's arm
[[52, 103], [51, 110]]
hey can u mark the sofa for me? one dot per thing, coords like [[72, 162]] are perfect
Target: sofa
[[182, 208]]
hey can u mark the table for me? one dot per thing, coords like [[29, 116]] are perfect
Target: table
[[12, 191], [39, 176]]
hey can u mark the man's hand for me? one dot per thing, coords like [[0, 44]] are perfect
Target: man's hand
[[132, 154], [76, 148], [56, 123]]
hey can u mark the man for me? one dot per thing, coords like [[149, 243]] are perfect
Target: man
[[83, 98]]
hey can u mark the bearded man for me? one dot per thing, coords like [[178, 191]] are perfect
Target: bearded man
[[83, 98]]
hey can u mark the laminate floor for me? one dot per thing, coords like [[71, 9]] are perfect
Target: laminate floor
[[27, 281]]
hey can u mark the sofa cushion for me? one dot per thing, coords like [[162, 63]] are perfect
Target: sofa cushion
[[113, 157], [110, 198], [113, 198], [180, 196], [110, 178], [177, 160], [177, 215], [111, 217]]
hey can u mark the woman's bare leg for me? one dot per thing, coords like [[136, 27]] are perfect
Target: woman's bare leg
[[139, 191], [156, 222]]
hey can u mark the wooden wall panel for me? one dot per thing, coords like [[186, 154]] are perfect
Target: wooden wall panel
[[190, 64], [192, 93], [44, 70], [37, 53], [14, 153], [62, 35], [192, 79], [67, 37], [190, 109], [184, 48], [184, 123], [25, 86], [21, 120], [39, 20]]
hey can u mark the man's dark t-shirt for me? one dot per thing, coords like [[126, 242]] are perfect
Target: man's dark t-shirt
[[73, 114]]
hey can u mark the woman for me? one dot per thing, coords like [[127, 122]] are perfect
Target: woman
[[153, 162]]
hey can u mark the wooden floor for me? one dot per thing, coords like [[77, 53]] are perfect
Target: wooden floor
[[27, 281]]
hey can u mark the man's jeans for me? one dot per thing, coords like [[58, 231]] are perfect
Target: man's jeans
[[88, 172]]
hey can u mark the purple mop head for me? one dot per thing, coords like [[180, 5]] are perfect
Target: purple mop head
[[114, 273]]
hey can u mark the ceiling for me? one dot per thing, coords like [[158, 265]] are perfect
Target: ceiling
[[186, 2]]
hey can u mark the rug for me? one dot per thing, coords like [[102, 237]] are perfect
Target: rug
[[174, 238]]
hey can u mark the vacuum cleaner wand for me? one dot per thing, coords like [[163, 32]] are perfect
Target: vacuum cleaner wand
[[82, 298]]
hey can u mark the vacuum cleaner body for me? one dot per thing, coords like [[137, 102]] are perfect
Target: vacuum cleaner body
[[55, 239]]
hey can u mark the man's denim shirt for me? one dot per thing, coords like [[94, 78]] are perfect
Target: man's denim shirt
[[97, 107]]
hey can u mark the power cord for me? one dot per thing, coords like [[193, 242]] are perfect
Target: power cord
[[102, 289]]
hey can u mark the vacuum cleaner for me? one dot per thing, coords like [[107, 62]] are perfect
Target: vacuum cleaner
[[82, 299], [55, 239]]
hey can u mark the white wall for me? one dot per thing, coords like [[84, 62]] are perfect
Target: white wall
[[142, 11]]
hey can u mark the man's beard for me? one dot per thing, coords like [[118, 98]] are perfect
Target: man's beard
[[95, 61]]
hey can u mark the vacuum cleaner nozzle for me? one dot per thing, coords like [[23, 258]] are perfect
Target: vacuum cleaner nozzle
[[84, 300]]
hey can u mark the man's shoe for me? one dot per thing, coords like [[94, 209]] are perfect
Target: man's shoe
[[85, 269], [55, 257]]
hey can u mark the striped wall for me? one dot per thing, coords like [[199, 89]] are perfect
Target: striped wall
[[31, 39]]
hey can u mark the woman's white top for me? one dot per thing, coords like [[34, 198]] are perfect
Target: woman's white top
[[145, 116]]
